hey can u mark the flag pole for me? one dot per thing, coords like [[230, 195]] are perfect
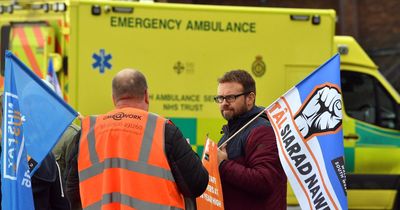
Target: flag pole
[[244, 126]]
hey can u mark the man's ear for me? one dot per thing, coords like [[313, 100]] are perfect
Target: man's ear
[[114, 101], [146, 97], [251, 99]]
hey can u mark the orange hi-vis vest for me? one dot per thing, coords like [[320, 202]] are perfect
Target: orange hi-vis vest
[[122, 163]]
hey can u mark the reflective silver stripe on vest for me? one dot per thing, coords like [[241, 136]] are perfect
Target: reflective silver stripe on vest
[[128, 201], [139, 167], [94, 158], [148, 135]]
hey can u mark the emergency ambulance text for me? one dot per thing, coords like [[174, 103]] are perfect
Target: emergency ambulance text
[[146, 23]]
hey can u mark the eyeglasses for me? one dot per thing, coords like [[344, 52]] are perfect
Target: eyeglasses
[[228, 98]]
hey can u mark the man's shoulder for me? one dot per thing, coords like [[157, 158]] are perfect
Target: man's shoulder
[[169, 125], [171, 132], [74, 128], [65, 140], [70, 132], [261, 121], [261, 132], [174, 138], [73, 147]]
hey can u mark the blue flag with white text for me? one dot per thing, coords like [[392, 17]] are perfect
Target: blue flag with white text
[[34, 119], [307, 121], [16, 182]]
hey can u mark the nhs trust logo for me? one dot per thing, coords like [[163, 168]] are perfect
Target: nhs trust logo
[[13, 143]]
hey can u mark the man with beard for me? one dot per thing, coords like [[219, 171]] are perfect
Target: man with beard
[[251, 174]]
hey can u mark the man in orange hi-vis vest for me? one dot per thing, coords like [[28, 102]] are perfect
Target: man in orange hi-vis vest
[[130, 158]]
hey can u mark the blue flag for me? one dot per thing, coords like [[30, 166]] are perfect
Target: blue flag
[[53, 79], [34, 119], [16, 182], [307, 121]]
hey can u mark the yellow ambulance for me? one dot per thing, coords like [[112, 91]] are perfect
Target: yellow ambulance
[[183, 49]]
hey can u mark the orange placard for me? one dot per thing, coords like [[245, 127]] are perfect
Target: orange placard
[[212, 198]]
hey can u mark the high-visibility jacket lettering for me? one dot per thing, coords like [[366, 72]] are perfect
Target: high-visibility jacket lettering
[[122, 163]]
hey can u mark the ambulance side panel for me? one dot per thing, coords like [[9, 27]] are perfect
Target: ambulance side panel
[[183, 49]]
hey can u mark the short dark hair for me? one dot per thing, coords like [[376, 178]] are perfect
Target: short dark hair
[[242, 77], [129, 83]]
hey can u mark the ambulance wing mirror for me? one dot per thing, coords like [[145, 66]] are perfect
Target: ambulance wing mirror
[[391, 119], [388, 119], [57, 61], [398, 117]]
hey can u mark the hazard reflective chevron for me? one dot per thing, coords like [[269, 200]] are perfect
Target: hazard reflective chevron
[[32, 43], [27, 43]]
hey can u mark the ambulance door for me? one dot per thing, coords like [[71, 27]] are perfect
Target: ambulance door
[[376, 124], [34, 44], [372, 140]]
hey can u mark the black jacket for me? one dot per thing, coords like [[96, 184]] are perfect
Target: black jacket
[[47, 186], [189, 174]]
